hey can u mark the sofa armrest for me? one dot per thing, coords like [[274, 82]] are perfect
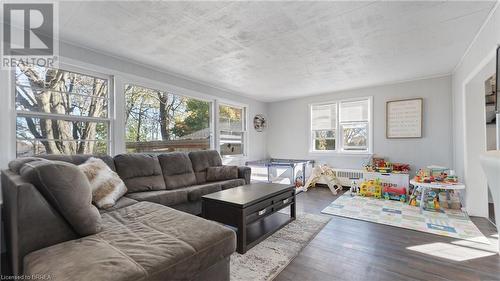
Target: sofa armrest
[[245, 172]]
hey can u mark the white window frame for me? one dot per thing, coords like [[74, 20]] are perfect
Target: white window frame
[[117, 81], [73, 69], [339, 149], [244, 108]]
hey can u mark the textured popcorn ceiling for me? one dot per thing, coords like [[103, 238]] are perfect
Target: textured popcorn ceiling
[[278, 50]]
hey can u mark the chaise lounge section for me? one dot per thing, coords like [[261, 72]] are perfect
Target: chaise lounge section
[[144, 236]]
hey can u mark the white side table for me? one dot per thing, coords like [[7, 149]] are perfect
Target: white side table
[[425, 187]]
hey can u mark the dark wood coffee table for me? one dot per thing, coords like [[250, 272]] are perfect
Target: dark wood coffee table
[[252, 209]]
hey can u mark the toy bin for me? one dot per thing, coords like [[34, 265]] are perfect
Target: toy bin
[[443, 200], [450, 200]]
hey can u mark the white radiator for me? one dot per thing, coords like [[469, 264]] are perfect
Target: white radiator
[[345, 177]]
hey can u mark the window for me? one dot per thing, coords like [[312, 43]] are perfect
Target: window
[[159, 121], [354, 124], [351, 133], [324, 126], [60, 112], [231, 130]]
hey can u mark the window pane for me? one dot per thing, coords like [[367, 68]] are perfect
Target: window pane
[[324, 117], [157, 121], [60, 103], [59, 80], [231, 143], [230, 118], [52, 136], [324, 140], [355, 136], [325, 134], [352, 111], [231, 127]]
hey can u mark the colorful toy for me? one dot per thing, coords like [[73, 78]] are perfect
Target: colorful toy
[[395, 193], [381, 165], [436, 174], [324, 174], [378, 162], [449, 200], [424, 175], [387, 168], [451, 178], [371, 188], [435, 171], [400, 168], [432, 201], [354, 187], [298, 181], [441, 177], [415, 197]]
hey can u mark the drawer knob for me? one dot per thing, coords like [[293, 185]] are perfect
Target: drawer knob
[[261, 212], [286, 200]]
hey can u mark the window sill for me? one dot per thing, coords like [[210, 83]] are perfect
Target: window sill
[[239, 156], [238, 160], [341, 153]]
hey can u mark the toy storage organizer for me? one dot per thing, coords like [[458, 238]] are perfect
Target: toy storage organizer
[[400, 180]]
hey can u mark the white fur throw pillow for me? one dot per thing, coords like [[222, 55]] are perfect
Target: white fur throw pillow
[[107, 186]]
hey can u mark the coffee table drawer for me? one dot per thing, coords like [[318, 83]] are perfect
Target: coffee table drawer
[[279, 204], [283, 196], [259, 206], [259, 214]]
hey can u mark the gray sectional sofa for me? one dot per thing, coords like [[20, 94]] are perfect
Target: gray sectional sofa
[[145, 236]]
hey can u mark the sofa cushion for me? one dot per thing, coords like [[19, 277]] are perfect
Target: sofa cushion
[[177, 170], [222, 173], [195, 192], [164, 197], [90, 258], [145, 241], [140, 172], [202, 160], [231, 183], [107, 187], [16, 165], [68, 190], [78, 159], [121, 203]]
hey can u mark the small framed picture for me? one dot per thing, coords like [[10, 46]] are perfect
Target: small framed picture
[[404, 118]]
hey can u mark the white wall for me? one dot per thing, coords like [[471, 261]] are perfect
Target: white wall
[[288, 132], [467, 144], [126, 72]]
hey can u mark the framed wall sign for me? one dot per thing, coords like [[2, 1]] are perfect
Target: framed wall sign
[[404, 118]]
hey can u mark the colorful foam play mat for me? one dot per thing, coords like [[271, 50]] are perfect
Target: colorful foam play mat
[[445, 222]]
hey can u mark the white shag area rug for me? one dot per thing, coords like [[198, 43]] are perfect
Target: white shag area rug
[[268, 258]]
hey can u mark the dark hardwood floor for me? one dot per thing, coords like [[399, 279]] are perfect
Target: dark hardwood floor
[[348, 249]]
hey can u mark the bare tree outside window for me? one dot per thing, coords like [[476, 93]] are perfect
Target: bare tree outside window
[[60, 112]]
